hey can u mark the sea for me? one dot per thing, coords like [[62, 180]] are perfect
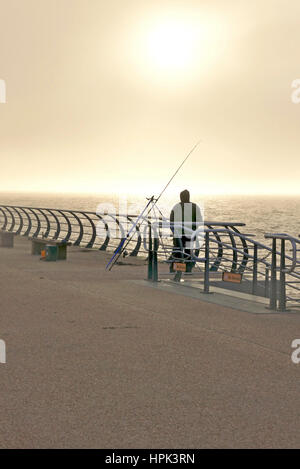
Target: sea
[[261, 213]]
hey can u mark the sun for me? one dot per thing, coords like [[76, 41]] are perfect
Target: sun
[[171, 48], [171, 45]]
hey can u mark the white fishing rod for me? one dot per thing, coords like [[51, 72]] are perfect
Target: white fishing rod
[[152, 201], [177, 170]]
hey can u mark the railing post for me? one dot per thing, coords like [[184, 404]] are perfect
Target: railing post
[[150, 254], [206, 265], [254, 277], [155, 263], [273, 292], [267, 286], [282, 290]]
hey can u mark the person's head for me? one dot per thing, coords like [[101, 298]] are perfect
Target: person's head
[[185, 197]]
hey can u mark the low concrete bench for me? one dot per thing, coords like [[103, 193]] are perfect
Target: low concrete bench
[[37, 245], [7, 239]]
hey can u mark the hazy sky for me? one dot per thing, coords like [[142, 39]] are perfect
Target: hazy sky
[[110, 96]]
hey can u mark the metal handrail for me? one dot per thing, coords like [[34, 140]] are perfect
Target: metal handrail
[[76, 225], [293, 241], [270, 265], [239, 249]]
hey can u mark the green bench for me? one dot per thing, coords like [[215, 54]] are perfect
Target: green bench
[[37, 245]]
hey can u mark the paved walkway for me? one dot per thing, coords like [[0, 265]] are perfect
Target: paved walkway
[[95, 359]]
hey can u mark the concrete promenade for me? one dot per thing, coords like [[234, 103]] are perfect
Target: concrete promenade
[[96, 359]]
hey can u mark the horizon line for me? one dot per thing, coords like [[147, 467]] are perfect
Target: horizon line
[[204, 194]]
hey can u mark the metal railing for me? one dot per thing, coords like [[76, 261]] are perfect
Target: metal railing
[[284, 288], [276, 272], [224, 247], [83, 228]]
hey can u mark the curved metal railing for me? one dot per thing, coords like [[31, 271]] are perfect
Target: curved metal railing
[[90, 229], [228, 249], [259, 262]]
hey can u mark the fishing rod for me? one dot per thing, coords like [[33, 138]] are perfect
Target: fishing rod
[[152, 201], [118, 251], [177, 170]]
